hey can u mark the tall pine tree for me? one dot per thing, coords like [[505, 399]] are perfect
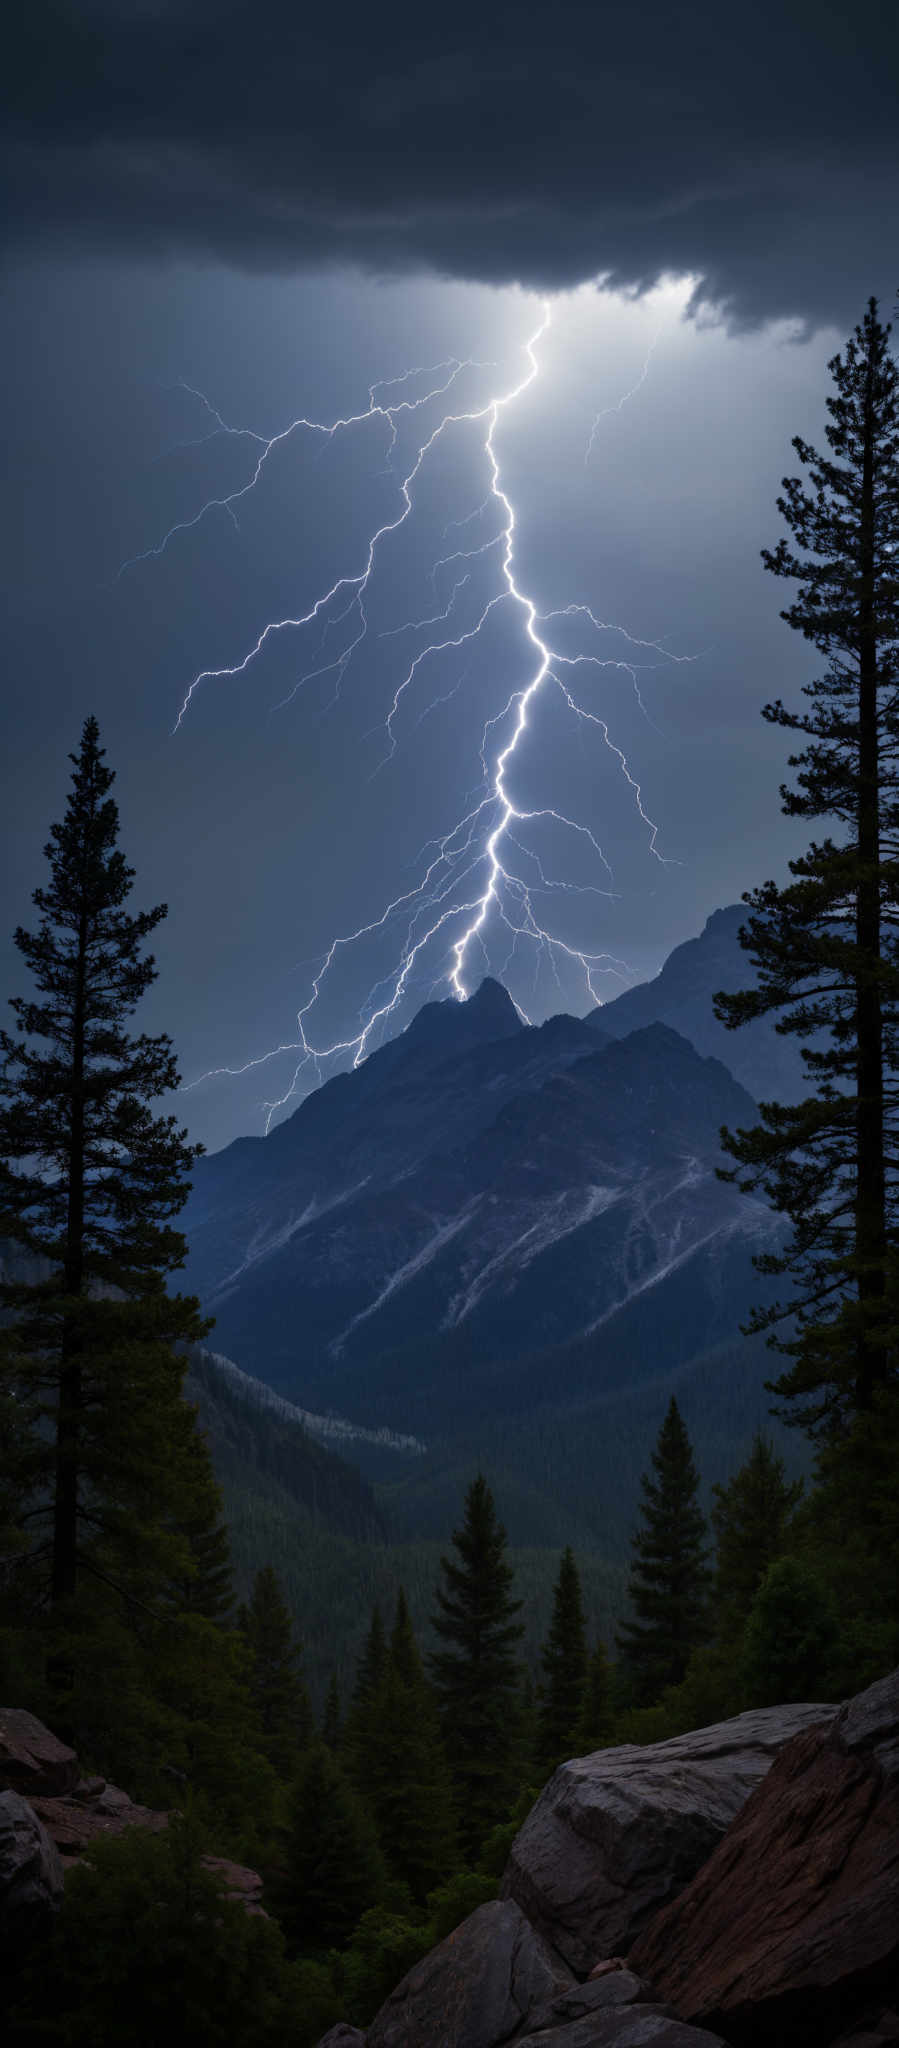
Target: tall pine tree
[[205, 1582], [564, 1662], [751, 1520], [89, 1182], [826, 946], [277, 1690], [668, 1584], [476, 1675], [409, 1786], [334, 1867], [361, 1726]]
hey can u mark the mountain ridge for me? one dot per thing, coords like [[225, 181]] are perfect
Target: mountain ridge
[[768, 1064], [526, 1186]]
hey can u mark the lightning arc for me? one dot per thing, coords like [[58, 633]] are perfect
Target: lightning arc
[[473, 873]]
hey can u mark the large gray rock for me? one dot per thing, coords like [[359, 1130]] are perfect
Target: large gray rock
[[582, 2001], [618, 2009], [33, 1760], [31, 1876], [635, 2026], [476, 1989], [616, 1835], [342, 2036]]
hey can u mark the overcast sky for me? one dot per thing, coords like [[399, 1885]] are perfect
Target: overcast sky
[[219, 223]]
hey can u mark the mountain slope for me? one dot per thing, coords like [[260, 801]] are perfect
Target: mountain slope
[[263, 1453], [437, 1084], [591, 1185], [681, 994]]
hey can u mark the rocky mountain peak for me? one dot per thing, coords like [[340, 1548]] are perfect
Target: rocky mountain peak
[[487, 1014]]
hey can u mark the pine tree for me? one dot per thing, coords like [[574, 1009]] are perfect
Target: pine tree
[[335, 1871], [669, 1575], [826, 946], [277, 1690], [206, 1584], [360, 1730], [331, 1716], [409, 1787], [476, 1676], [790, 1636], [89, 1182], [597, 1723], [564, 1662], [751, 1520]]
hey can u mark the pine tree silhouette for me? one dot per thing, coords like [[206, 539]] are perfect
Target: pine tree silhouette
[[89, 1182], [477, 1675], [826, 946], [564, 1662], [668, 1586]]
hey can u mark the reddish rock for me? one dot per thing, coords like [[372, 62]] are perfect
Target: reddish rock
[[791, 1928], [64, 1814], [238, 1882], [33, 1760], [74, 1823]]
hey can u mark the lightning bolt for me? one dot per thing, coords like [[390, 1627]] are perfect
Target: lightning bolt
[[607, 411], [480, 872]]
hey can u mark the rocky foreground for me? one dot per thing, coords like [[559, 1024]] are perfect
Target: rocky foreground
[[734, 1888], [737, 1886]]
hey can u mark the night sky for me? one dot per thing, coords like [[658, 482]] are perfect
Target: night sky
[[221, 218]]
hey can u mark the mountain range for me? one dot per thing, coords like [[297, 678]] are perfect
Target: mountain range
[[487, 1208]]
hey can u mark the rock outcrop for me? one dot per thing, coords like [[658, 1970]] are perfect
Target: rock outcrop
[[93, 1809], [50, 1814], [618, 1834], [476, 1989], [638, 2026], [31, 1759], [31, 1875], [493, 1983], [790, 1932]]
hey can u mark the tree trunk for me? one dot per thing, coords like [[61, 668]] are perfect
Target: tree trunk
[[64, 1571], [870, 1197]]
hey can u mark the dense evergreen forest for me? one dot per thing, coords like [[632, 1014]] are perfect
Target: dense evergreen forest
[[223, 1617]]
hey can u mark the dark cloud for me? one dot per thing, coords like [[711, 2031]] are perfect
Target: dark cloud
[[753, 147]]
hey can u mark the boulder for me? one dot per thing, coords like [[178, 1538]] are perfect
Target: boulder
[[33, 1760], [494, 1984], [615, 2007], [31, 1876], [617, 1834], [791, 1930], [599, 1994], [476, 1989], [636, 2026], [237, 1882], [342, 2036]]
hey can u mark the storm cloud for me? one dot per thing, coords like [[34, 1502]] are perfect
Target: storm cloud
[[753, 149]]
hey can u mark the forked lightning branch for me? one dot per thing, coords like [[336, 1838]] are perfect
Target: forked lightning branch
[[478, 897]]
